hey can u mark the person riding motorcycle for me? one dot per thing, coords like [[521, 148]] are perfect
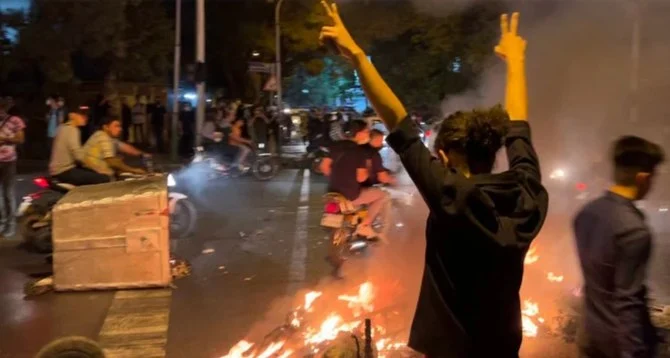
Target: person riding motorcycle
[[347, 168], [241, 146], [379, 174], [101, 150], [68, 158]]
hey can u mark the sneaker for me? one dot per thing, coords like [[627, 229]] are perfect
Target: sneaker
[[366, 232]]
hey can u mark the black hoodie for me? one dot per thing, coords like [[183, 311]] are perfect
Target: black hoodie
[[477, 235]]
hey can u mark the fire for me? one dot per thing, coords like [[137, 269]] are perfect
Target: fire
[[530, 310], [314, 338], [554, 278], [531, 256]]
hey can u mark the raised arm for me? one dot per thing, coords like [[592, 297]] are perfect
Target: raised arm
[[383, 100]]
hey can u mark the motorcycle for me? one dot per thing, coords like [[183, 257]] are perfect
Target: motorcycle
[[35, 212], [262, 164], [341, 219]]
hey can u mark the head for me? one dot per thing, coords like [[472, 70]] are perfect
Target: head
[[635, 161], [112, 126], [376, 138], [77, 119], [469, 141], [52, 101], [359, 131]]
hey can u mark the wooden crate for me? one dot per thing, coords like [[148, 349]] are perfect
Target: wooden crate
[[112, 236]]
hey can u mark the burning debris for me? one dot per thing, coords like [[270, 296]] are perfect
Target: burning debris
[[305, 332]]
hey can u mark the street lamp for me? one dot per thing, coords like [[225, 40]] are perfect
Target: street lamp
[[255, 54], [278, 54]]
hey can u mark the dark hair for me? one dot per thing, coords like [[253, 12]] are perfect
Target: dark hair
[[376, 133], [107, 120], [356, 126], [477, 134], [632, 155]]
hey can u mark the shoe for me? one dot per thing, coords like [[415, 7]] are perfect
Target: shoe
[[366, 232]]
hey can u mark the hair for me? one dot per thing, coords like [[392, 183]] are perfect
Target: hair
[[356, 126], [477, 134], [632, 155], [376, 133], [107, 120]]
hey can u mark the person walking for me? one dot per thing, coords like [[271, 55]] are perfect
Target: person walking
[[614, 244], [11, 134], [139, 113]]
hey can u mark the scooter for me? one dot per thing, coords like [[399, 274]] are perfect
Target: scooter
[[341, 219], [35, 212], [263, 165]]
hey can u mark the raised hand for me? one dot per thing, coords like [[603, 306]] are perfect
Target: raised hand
[[511, 47], [338, 33]]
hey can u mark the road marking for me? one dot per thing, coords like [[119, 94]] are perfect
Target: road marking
[[137, 324], [297, 273]]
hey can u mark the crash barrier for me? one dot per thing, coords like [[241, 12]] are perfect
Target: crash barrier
[[112, 236]]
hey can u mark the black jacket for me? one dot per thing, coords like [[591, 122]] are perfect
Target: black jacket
[[477, 235]]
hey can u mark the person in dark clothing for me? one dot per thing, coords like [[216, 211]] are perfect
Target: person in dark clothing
[[614, 245], [187, 140], [316, 130], [126, 119], [158, 112], [480, 224], [378, 174]]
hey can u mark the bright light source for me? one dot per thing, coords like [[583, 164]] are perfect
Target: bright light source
[[170, 181], [261, 145], [255, 54], [305, 91], [190, 96], [287, 110], [663, 210], [209, 101], [557, 174]]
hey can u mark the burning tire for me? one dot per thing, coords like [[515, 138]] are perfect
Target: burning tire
[[71, 347]]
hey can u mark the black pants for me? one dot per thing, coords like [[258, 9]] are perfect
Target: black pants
[[158, 133], [8, 197], [82, 176]]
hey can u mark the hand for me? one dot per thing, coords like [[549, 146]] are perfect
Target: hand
[[511, 47], [338, 33]]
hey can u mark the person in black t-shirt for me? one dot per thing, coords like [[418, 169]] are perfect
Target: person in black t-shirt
[[348, 166], [378, 174]]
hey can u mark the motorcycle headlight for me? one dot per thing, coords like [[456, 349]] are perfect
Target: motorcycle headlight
[[170, 181]]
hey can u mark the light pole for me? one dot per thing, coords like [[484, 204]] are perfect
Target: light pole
[[635, 61], [280, 106], [175, 84], [200, 58]]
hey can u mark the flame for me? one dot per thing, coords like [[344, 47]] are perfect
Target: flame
[[530, 310], [531, 256], [362, 302], [271, 349], [310, 297], [554, 278], [239, 350]]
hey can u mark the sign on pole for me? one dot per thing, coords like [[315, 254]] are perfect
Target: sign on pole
[[261, 67]]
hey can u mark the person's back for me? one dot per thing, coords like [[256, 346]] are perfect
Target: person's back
[[347, 157], [614, 245], [66, 149]]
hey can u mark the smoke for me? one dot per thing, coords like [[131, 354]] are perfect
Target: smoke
[[579, 74]]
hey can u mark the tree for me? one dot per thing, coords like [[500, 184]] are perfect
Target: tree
[[327, 88]]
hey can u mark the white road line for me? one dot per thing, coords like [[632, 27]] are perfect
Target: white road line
[[296, 273]]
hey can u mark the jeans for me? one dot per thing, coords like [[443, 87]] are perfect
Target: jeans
[[376, 200], [8, 200], [82, 176]]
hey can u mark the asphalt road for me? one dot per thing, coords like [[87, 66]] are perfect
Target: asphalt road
[[258, 248]]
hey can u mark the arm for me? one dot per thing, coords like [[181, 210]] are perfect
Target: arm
[[120, 167], [74, 145], [326, 166], [383, 100], [362, 174], [629, 293], [129, 149], [18, 138]]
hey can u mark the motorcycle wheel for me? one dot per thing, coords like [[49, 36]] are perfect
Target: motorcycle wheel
[[72, 347], [183, 219], [265, 168], [36, 239]]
